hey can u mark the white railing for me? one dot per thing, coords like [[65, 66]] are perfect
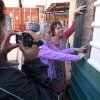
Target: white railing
[[94, 59]]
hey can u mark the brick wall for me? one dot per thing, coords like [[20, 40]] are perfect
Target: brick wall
[[89, 16]]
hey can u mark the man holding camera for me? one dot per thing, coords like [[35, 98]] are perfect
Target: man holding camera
[[31, 83], [28, 84]]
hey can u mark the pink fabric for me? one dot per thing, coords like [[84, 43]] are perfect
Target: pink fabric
[[70, 30]]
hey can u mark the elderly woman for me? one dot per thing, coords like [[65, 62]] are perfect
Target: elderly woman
[[56, 69]]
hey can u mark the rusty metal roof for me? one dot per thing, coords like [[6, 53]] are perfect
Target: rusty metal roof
[[57, 7]]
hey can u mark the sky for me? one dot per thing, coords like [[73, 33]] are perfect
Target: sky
[[42, 2], [32, 3]]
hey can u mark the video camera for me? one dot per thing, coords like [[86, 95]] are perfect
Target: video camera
[[25, 37]]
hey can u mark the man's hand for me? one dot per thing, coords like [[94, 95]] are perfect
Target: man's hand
[[6, 46], [32, 52]]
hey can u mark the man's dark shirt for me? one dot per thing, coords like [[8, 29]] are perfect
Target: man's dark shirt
[[29, 84]]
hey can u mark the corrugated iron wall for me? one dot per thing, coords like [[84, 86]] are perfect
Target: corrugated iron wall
[[20, 16], [85, 83]]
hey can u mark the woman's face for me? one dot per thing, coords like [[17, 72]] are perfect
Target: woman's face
[[58, 30]]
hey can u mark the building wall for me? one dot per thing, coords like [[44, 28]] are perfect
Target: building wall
[[41, 13], [88, 19], [85, 82], [20, 16], [72, 8], [94, 59]]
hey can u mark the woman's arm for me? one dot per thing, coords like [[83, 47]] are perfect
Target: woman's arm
[[68, 50], [48, 53], [71, 29]]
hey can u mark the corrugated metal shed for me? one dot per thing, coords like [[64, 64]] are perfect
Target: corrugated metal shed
[[58, 11], [58, 7]]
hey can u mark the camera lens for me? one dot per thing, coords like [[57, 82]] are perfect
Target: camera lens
[[27, 40]]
